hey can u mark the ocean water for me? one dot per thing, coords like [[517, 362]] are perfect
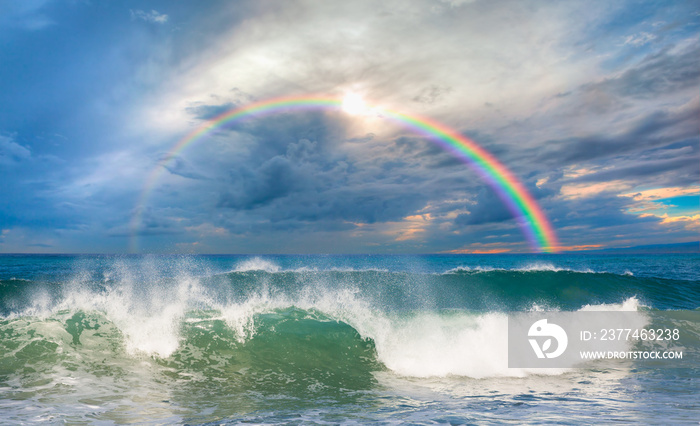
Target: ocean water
[[328, 339]]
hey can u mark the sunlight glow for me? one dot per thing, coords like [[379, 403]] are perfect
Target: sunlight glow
[[354, 104]]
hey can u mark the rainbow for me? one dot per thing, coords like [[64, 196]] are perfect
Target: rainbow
[[533, 222]]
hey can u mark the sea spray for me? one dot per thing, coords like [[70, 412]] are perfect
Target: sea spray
[[196, 339], [417, 339]]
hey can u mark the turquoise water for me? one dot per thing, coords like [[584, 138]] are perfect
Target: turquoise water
[[327, 339]]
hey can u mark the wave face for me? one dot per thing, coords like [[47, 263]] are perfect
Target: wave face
[[132, 334]]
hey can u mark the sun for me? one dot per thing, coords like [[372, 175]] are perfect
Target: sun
[[354, 104]]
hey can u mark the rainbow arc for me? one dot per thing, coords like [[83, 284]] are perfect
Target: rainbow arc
[[524, 208]]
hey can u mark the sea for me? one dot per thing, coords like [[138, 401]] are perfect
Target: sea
[[326, 339]]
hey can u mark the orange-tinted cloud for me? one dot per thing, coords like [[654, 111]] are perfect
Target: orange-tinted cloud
[[479, 251], [583, 190], [580, 247], [661, 193], [690, 223], [410, 228]]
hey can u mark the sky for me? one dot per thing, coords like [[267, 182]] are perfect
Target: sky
[[593, 105]]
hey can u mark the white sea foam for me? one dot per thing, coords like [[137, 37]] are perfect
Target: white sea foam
[[421, 343], [147, 312], [257, 264], [430, 344], [632, 304], [533, 267], [261, 264], [266, 265], [471, 269]]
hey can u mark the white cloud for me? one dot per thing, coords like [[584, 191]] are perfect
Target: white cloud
[[11, 152], [639, 39], [457, 3], [25, 14], [152, 16], [509, 58]]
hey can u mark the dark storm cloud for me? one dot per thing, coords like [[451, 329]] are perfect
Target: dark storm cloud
[[661, 127], [432, 94], [276, 133], [683, 165], [291, 159], [153, 222], [364, 204], [446, 161], [118, 83], [308, 184], [601, 211], [659, 73], [366, 138], [275, 178], [488, 207], [181, 167], [436, 157], [294, 177], [605, 219], [207, 112], [415, 147]]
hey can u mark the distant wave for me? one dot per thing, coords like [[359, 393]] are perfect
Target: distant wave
[[257, 264], [534, 267], [264, 265]]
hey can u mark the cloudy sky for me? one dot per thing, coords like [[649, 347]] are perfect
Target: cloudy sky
[[595, 106]]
